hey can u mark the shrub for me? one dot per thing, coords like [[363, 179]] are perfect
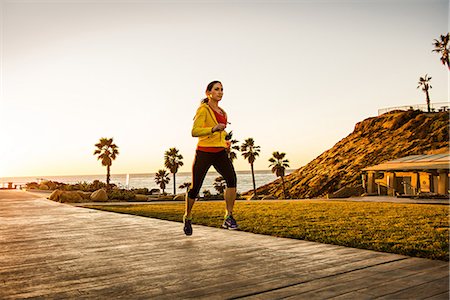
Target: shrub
[[142, 191], [85, 186], [116, 194], [213, 197], [206, 194]]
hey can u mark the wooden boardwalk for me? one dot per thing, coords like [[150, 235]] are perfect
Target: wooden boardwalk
[[52, 250]]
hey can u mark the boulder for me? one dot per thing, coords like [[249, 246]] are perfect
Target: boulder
[[43, 187], [70, 197], [32, 185], [84, 195], [99, 196], [268, 197], [50, 184], [55, 195]]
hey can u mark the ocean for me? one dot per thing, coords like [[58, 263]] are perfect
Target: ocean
[[147, 180]]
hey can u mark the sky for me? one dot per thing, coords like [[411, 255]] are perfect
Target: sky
[[297, 76]]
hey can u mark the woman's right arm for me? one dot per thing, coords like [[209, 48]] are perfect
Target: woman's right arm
[[199, 122]]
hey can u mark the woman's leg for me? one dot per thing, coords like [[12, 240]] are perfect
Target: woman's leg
[[230, 198], [224, 166], [189, 205], [200, 167]]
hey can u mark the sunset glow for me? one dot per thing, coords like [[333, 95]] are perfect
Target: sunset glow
[[297, 76]]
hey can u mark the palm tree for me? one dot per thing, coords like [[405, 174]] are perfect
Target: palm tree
[[279, 165], [107, 151], [172, 161], [442, 47], [219, 184], [206, 194], [424, 83], [162, 179], [231, 154], [250, 152], [186, 185]]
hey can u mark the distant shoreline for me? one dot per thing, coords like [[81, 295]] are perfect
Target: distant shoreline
[[42, 177], [146, 180]]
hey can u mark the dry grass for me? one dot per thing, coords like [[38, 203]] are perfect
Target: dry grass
[[409, 229]]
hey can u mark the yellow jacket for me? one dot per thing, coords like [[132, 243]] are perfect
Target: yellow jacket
[[204, 121]]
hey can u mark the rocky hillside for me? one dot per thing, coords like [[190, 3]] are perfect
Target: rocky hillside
[[373, 141]]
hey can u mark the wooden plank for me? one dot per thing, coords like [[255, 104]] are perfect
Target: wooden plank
[[442, 296], [400, 285], [436, 287]]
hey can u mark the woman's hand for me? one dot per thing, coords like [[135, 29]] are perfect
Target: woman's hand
[[228, 142], [219, 127]]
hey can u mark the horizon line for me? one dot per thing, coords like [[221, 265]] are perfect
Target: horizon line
[[120, 174]]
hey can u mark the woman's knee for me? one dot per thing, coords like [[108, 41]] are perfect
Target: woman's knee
[[192, 194], [231, 180]]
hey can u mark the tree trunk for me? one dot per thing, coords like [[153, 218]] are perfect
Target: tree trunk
[[284, 189], [255, 196], [108, 168], [174, 185], [428, 100]]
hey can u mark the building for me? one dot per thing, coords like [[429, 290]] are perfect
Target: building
[[409, 176]]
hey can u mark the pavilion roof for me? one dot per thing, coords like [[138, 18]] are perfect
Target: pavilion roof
[[414, 163]]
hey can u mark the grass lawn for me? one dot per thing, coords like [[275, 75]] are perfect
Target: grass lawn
[[411, 229]]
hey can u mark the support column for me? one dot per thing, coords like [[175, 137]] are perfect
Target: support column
[[391, 183], [371, 186], [424, 182], [416, 183], [443, 182], [363, 180]]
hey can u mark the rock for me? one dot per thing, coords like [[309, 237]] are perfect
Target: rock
[[84, 195], [99, 196], [32, 185], [50, 184], [70, 197], [180, 197], [55, 195], [43, 187]]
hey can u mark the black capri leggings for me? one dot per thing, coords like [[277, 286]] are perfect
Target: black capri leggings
[[203, 161]]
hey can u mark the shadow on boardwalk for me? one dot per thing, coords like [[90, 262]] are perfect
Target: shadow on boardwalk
[[52, 250]]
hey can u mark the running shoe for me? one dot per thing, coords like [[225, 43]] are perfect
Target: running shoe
[[230, 223], [187, 227]]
